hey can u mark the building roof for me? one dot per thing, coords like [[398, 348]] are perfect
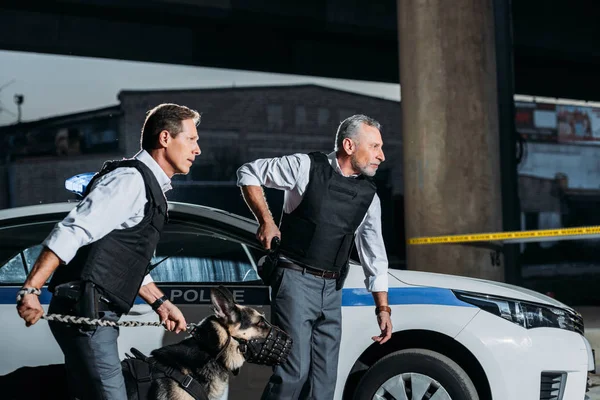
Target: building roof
[[254, 88], [60, 119], [116, 109]]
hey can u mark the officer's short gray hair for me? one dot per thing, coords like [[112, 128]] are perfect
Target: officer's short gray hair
[[349, 128]]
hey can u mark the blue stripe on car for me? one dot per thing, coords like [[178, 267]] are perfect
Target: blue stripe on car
[[404, 296], [351, 297]]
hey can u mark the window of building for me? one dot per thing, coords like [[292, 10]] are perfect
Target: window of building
[[275, 116], [100, 136], [300, 116], [323, 116]]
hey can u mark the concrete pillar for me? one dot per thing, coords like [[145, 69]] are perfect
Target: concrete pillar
[[450, 132]]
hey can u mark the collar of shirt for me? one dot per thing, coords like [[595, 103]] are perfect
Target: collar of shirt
[[161, 177], [336, 165]]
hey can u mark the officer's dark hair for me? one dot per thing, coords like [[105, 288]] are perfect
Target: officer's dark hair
[[349, 128], [165, 117]]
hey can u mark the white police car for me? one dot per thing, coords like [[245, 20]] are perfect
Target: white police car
[[455, 338]]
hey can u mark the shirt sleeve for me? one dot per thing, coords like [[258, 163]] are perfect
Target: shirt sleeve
[[285, 173], [116, 198], [147, 279], [371, 249]]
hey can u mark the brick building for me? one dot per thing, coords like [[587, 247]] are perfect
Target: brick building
[[241, 124], [238, 124]]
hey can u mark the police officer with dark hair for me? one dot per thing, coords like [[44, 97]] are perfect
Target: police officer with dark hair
[[100, 253], [330, 203]]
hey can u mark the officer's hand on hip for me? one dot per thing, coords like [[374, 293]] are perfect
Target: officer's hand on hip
[[266, 232], [385, 324], [30, 309], [171, 317]]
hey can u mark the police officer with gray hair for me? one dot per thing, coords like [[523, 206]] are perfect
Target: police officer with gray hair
[[100, 252], [330, 204]]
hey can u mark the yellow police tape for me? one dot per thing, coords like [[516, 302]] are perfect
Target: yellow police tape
[[588, 232]]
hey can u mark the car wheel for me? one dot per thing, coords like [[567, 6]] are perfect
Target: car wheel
[[415, 374]]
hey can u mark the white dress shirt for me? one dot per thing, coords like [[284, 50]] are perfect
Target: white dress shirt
[[291, 174], [117, 201]]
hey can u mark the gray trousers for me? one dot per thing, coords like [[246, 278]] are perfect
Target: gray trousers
[[91, 356], [309, 309]]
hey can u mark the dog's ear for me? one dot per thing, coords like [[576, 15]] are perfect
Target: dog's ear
[[223, 303]]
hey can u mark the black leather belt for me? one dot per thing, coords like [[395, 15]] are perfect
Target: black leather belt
[[316, 272]]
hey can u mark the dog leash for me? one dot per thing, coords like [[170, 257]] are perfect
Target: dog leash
[[70, 319]]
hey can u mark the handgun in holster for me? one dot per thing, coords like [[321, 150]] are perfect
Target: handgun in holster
[[267, 267], [84, 296], [69, 291], [339, 283]]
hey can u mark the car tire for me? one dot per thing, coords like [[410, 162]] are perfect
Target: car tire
[[415, 374]]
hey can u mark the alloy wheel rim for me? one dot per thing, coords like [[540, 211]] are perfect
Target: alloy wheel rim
[[411, 386]]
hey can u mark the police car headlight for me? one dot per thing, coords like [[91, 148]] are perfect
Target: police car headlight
[[525, 314]]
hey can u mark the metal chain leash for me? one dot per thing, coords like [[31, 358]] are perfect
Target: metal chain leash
[[69, 319]]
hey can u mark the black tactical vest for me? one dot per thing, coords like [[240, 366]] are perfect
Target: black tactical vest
[[117, 263], [320, 232]]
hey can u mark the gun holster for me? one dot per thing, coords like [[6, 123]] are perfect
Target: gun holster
[[267, 267], [84, 296], [339, 282]]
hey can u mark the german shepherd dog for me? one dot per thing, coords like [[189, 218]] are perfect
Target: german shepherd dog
[[211, 352]]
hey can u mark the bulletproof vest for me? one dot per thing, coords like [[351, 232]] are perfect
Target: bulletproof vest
[[320, 232], [117, 263]]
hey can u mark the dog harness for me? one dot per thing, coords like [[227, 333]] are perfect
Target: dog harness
[[143, 370], [271, 350]]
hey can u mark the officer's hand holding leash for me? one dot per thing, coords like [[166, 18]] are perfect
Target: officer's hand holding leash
[[29, 307], [171, 317]]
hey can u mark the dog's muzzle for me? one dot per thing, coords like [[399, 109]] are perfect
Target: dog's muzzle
[[272, 350]]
